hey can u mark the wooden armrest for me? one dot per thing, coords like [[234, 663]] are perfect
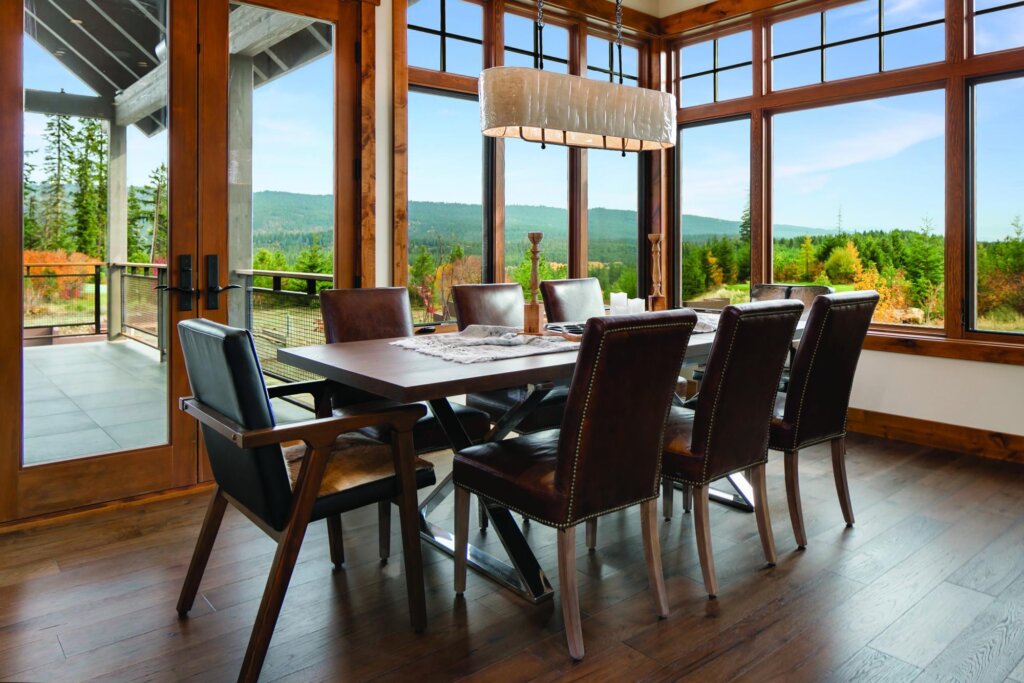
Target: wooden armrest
[[314, 387], [318, 432]]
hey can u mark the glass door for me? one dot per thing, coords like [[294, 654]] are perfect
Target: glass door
[[278, 101], [98, 222]]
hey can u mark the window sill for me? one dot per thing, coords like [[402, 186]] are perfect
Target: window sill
[[918, 344]]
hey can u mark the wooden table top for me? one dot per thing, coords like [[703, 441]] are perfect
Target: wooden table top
[[406, 376]]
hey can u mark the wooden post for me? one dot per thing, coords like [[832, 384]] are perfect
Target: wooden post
[[240, 136], [117, 224], [531, 313], [656, 300]]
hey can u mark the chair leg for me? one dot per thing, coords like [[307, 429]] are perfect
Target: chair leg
[[384, 529], [764, 521], [288, 545], [703, 527], [667, 491], [652, 555], [567, 589], [461, 537], [201, 554], [404, 454], [592, 533], [796, 513], [842, 485], [336, 542], [481, 513], [687, 497]]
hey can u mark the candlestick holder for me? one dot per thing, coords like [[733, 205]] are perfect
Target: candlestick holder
[[531, 311]]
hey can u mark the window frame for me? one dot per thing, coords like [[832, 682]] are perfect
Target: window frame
[[444, 34], [953, 75]]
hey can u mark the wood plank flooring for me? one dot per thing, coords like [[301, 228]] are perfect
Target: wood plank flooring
[[929, 585]]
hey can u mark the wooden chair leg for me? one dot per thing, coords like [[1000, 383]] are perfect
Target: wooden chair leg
[[481, 513], [306, 488], [201, 554], [568, 591], [336, 541], [592, 533], [842, 485], [409, 518], [764, 521], [652, 555], [701, 523], [687, 497], [384, 529], [461, 537], [796, 513], [667, 491]]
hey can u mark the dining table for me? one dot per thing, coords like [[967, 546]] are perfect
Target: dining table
[[406, 376]]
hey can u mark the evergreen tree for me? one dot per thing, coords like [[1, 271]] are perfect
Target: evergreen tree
[[138, 221], [807, 257], [32, 229], [89, 198], [59, 135], [745, 224], [156, 206]]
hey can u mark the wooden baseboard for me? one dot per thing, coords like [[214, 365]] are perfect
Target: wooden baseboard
[[980, 442]]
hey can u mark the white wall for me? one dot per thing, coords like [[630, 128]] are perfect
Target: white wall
[[965, 393], [958, 392]]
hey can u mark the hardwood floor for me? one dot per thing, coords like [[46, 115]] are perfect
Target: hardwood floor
[[928, 585]]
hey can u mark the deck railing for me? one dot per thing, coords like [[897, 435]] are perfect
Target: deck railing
[[63, 300], [142, 305]]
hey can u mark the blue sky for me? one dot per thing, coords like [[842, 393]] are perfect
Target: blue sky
[[879, 161]]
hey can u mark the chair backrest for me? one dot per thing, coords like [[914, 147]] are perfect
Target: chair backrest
[[497, 304], [569, 301], [768, 292], [821, 376], [737, 395], [225, 375], [806, 294], [609, 450], [361, 314]]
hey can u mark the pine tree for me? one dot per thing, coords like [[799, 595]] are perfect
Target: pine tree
[[138, 219], [807, 254], [157, 195], [32, 229], [59, 135], [745, 224], [89, 199]]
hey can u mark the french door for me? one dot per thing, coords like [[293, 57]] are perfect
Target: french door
[[152, 153]]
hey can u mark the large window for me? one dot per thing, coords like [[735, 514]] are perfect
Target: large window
[[445, 212], [998, 25], [998, 207], [715, 218], [858, 202], [523, 44], [857, 39], [612, 186], [716, 70], [446, 35]]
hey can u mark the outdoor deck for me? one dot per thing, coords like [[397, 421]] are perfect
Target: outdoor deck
[[94, 397]]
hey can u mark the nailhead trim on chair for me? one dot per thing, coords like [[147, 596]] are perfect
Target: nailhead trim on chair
[[586, 406]]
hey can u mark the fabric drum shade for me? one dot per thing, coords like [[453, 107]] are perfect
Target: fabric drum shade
[[540, 106]]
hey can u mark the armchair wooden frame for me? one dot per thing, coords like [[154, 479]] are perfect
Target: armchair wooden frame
[[319, 436]]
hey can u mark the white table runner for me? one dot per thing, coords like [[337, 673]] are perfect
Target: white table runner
[[484, 343]]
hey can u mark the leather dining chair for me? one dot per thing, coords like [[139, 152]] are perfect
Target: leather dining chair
[[502, 304], [379, 313], [284, 488], [727, 432], [605, 457], [570, 301], [820, 380]]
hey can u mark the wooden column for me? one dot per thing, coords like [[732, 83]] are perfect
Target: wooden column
[[400, 132], [368, 145]]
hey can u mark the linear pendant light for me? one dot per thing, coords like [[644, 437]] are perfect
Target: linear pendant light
[[560, 109]]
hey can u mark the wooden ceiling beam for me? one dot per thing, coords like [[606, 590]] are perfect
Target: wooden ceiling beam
[[712, 13], [603, 12]]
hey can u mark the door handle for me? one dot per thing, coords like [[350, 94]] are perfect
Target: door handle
[[213, 288], [185, 289]]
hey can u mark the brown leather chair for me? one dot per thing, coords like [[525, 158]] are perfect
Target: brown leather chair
[[493, 304], [571, 301], [333, 469], [362, 314], [605, 457], [502, 304], [728, 431], [821, 378]]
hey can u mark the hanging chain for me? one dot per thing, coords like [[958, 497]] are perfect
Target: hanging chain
[[618, 34]]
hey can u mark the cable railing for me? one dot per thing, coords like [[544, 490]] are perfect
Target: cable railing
[[63, 300], [284, 311], [142, 305]]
